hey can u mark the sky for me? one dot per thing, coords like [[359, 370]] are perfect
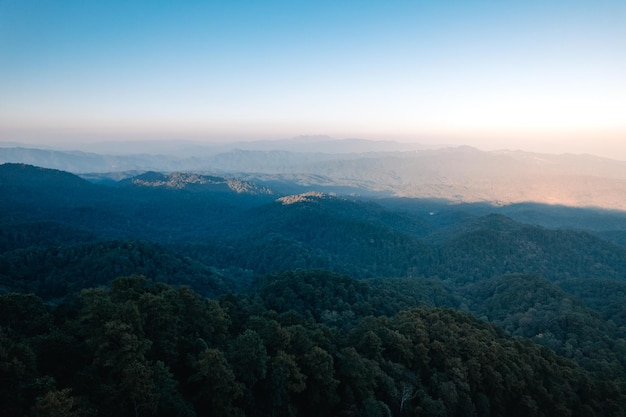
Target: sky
[[546, 76]]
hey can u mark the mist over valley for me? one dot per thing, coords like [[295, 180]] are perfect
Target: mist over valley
[[457, 174], [319, 262]]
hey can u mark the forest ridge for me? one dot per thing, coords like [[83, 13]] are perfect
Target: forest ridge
[[369, 168], [164, 293]]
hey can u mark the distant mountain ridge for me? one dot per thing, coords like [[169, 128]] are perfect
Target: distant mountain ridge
[[197, 182], [461, 174], [191, 207]]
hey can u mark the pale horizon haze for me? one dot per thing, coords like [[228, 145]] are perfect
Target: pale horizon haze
[[542, 76]]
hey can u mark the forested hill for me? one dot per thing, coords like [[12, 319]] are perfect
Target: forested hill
[[146, 208], [460, 174], [239, 300], [137, 348], [241, 229]]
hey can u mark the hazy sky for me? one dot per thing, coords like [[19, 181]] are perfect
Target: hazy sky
[[536, 75]]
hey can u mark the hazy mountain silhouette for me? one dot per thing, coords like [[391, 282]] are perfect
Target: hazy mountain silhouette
[[461, 174]]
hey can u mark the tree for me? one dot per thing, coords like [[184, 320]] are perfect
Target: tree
[[248, 357], [214, 386], [318, 366], [58, 403], [284, 381]]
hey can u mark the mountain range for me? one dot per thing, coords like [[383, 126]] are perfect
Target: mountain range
[[367, 168], [193, 271]]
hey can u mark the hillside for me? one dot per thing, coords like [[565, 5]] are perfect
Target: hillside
[[496, 245], [152, 210], [408, 306], [55, 271], [228, 222], [172, 351], [460, 174]]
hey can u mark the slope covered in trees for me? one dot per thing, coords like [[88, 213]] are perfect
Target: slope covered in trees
[[427, 308], [140, 348], [496, 245], [59, 270]]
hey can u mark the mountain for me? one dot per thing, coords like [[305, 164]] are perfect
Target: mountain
[[87, 162], [319, 231], [461, 174], [496, 245], [326, 144], [531, 307], [152, 207], [189, 148], [56, 271], [231, 222], [194, 182], [202, 294], [23, 176]]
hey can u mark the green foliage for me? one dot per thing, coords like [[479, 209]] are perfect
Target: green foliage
[[248, 354], [606, 296], [497, 246], [213, 385], [56, 271], [227, 307], [57, 404], [140, 348], [532, 307]]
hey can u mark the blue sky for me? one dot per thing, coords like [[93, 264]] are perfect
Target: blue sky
[[535, 75]]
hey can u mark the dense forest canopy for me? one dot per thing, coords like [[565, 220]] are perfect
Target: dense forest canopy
[[192, 295]]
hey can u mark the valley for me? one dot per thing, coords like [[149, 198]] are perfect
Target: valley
[[515, 277]]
